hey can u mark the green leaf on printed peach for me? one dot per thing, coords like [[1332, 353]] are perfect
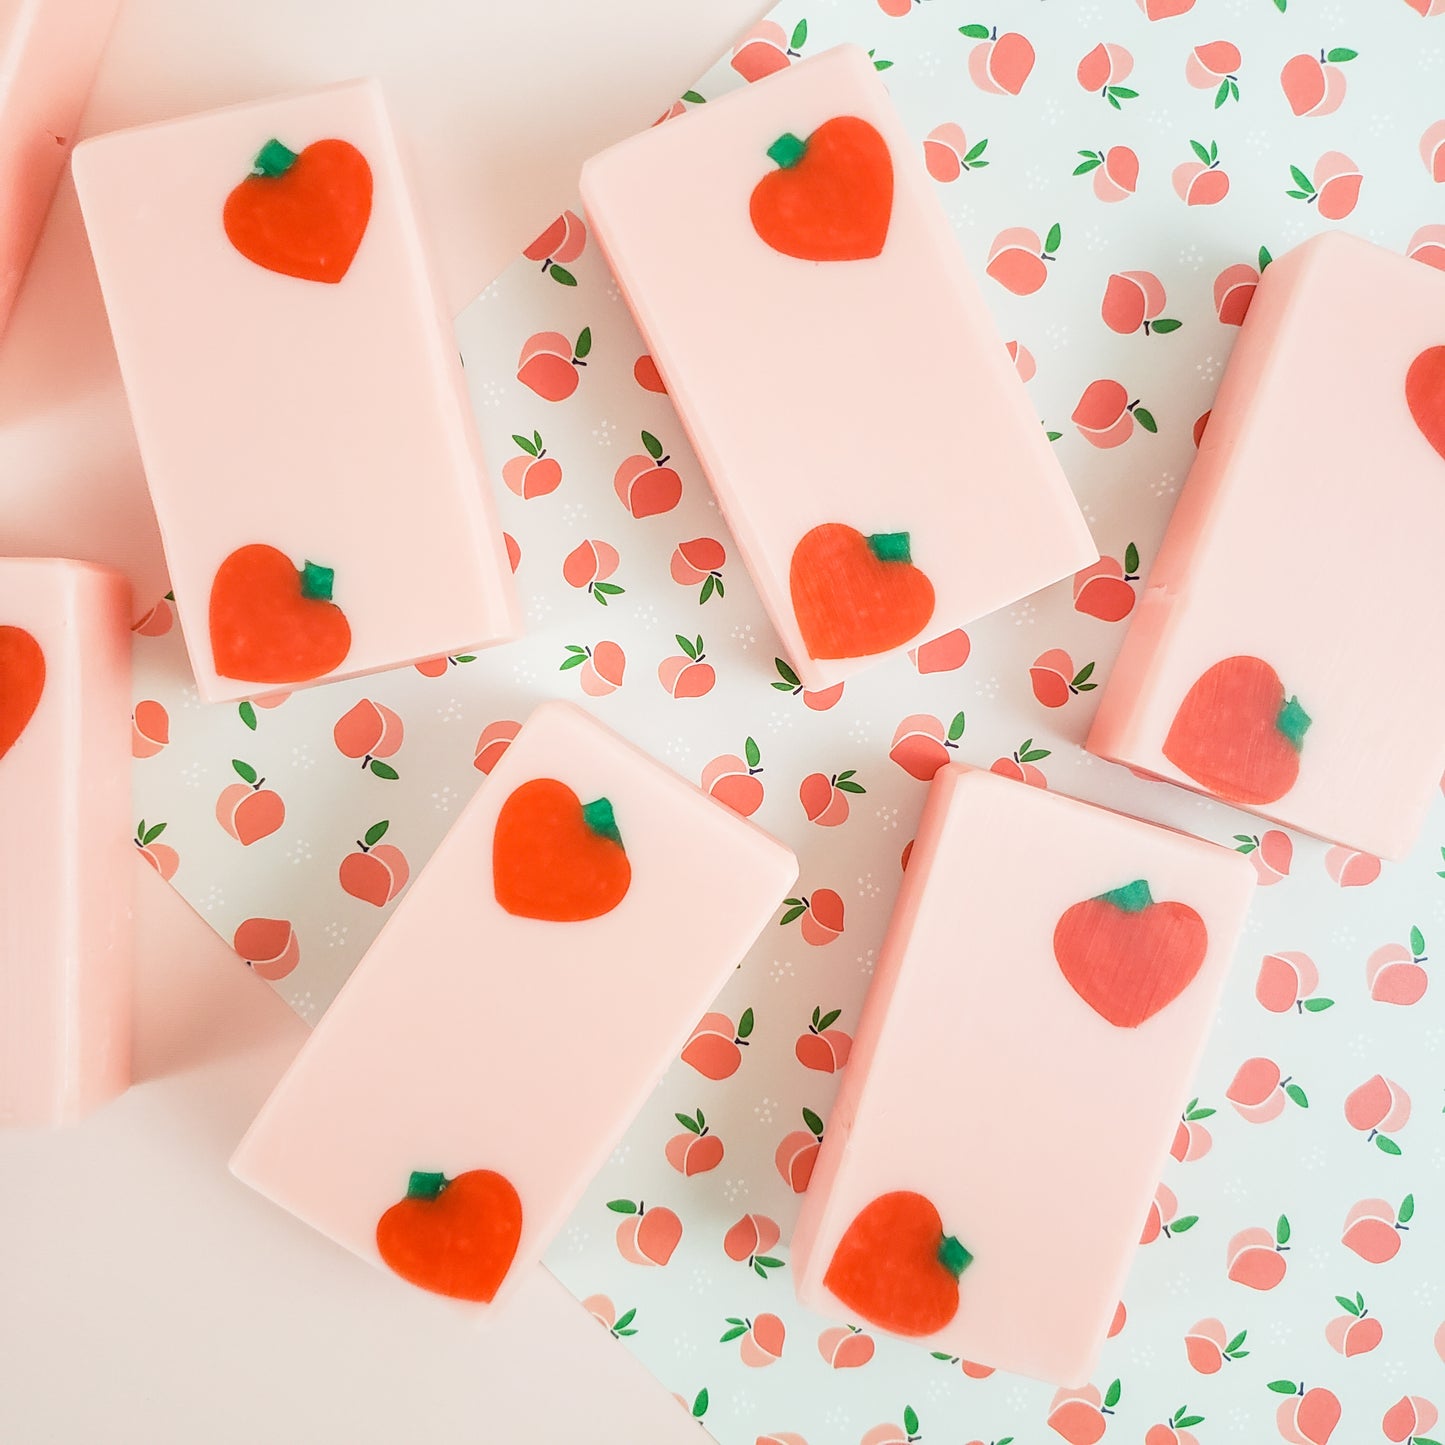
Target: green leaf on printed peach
[[794, 909], [248, 715], [814, 1123], [376, 833], [1297, 1095], [790, 679], [1183, 1226], [1341, 54], [245, 771], [1417, 942], [1053, 239], [880, 64], [693, 98], [1131, 559], [1222, 94], [699, 1404], [752, 754], [622, 1206], [1113, 1394], [1091, 162], [625, 1319], [1285, 1387], [383, 770], [762, 1263], [1236, 1342], [1406, 1212], [152, 833], [1346, 1303], [971, 157], [1301, 180], [828, 1019], [1053, 436], [745, 1024], [799, 37], [1386, 1145], [956, 727], [1145, 419], [1318, 1005], [584, 343], [561, 275], [654, 447], [1282, 1230], [735, 1331], [1164, 325], [974, 32], [689, 1123], [910, 1419], [1201, 150]]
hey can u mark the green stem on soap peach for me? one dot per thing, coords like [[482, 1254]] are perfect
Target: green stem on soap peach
[[273, 159], [787, 150], [1293, 721], [425, 1185], [953, 1256], [317, 582]]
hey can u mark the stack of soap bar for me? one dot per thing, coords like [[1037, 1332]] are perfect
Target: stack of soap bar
[[66, 860], [49, 51], [831, 359], [515, 1013], [296, 391], [1275, 658], [1041, 1001]]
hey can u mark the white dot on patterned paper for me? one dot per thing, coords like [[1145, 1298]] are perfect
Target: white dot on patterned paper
[[450, 710], [614, 292], [1023, 613], [734, 1189], [1191, 256], [887, 817], [838, 1417], [987, 687], [1056, 335], [1036, 178], [335, 934], [492, 393], [192, 774], [620, 1154], [764, 1110], [781, 718], [574, 512], [866, 962], [539, 608], [213, 898], [645, 614], [605, 432], [304, 1005], [190, 698], [742, 634], [781, 968], [302, 757], [444, 799], [927, 64], [524, 672], [575, 1239], [700, 1281]]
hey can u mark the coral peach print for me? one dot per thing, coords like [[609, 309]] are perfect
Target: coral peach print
[[1309, 1167], [22, 680]]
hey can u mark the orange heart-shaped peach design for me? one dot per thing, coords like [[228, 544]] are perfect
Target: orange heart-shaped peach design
[[22, 680]]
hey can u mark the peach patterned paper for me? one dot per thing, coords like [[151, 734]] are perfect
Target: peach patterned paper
[[1120, 171]]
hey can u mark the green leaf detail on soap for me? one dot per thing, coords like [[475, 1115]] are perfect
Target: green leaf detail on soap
[[424, 1184], [953, 1256], [1132, 897], [890, 546], [273, 159], [598, 816], [787, 150], [1293, 721], [317, 582]]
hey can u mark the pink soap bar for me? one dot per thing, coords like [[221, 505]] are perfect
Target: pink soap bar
[[296, 391], [832, 361], [49, 52], [66, 860], [515, 1013], [1040, 1004], [1274, 660]]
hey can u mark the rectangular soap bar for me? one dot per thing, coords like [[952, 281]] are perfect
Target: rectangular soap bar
[[296, 391], [869, 441], [1274, 660], [49, 53], [67, 864], [1039, 1007], [520, 1005]]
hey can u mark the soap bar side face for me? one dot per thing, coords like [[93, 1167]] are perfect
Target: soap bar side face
[[296, 393], [1296, 587], [49, 53], [1043, 998], [833, 364], [531, 988], [67, 865]]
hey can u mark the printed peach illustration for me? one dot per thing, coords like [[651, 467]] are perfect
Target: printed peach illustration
[[588, 566], [1373, 1228], [752, 1239], [1256, 758], [733, 780], [600, 666], [921, 743], [560, 244], [947, 153], [1017, 258], [1105, 416], [1133, 301], [1350, 868], [1432, 150], [159, 620], [1357, 1331], [785, 1437], [760, 1339], [1308, 1417], [1175, 1430], [815, 701], [1019, 765], [1234, 289], [1164, 1219], [1286, 981], [601, 1308], [646, 1236], [161, 856], [534, 473], [1427, 8], [1115, 172], [248, 810], [1271, 852], [1334, 189], [150, 729], [798, 1153], [1080, 1416], [1104, 591], [495, 739], [1428, 245], [1054, 679], [549, 361], [845, 1347], [1315, 86], [999, 64], [1200, 422], [1258, 1092], [822, 1047], [1393, 973], [1440, 1342], [1104, 69], [687, 674], [822, 916], [1255, 1256], [945, 653], [268, 945], [645, 484], [647, 376], [1210, 1347], [699, 563], [437, 666], [825, 797], [714, 1048], [372, 733], [1215, 66], [1191, 1139], [1165, 9], [890, 1434], [697, 1149], [1201, 182], [377, 871], [514, 551], [1023, 360], [1411, 1417], [1377, 1109], [768, 48]]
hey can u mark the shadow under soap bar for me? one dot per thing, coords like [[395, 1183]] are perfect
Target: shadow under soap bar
[[1275, 658], [516, 1011], [869, 441], [296, 392], [1066, 959]]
